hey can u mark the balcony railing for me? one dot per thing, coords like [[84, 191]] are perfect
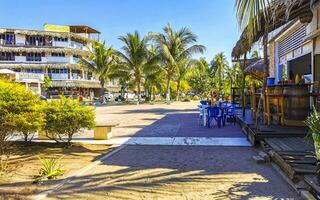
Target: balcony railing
[[29, 77]]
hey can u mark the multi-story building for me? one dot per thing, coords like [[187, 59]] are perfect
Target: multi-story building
[[53, 52]]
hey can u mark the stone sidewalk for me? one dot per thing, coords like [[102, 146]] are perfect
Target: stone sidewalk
[[181, 160]]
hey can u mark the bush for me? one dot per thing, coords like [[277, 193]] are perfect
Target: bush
[[65, 117], [20, 111]]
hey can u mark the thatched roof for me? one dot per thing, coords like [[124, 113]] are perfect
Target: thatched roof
[[38, 65], [65, 50], [48, 33], [282, 12], [83, 84], [76, 83]]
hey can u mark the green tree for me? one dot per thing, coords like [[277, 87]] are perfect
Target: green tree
[[219, 66], [65, 117], [173, 47], [183, 71], [100, 61], [135, 59], [47, 83], [20, 111], [200, 77]]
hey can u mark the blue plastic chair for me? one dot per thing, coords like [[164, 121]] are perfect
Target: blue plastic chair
[[231, 114], [204, 102], [214, 114]]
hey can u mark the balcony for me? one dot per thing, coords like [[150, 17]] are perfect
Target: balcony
[[57, 59], [29, 77]]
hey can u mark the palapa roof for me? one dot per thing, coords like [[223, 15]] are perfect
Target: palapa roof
[[82, 29], [282, 12], [16, 65], [72, 35], [76, 83], [25, 49]]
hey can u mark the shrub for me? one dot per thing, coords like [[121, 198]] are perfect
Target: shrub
[[65, 117], [20, 111], [313, 122], [50, 169]]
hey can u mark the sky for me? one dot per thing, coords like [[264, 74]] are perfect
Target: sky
[[213, 21]]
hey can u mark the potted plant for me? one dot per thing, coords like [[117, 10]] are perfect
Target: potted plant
[[313, 122]]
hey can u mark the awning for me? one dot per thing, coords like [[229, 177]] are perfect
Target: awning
[[255, 69]]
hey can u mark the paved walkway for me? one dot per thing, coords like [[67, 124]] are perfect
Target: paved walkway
[[181, 161]]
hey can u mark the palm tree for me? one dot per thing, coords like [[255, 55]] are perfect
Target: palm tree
[[135, 58], [184, 67], [173, 47], [100, 61], [219, 65], [200, 77]]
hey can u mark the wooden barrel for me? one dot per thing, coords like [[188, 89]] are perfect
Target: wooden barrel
[[296, 102]]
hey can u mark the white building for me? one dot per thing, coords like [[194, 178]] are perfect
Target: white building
[[53, 52]]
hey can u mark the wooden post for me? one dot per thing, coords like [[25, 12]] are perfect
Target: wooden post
[[243, 86]]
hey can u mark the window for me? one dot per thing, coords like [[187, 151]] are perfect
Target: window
[[33, 56], [36, 71], [34, 40], [7, 38], [57, 71], [60, 39], [7, 56], [58, 55]]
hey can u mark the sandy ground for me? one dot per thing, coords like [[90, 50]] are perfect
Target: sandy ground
[[24, 165]]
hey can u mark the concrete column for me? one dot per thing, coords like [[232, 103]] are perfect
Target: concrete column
[[39, 88]]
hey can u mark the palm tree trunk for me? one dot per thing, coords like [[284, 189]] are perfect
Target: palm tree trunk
[[168, 89], [102, 90], [139, 91], [178, 91], [243, 86], [264, 83]]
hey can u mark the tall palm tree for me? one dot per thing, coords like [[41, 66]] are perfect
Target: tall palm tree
[[219, 65], [200, 76], [135, 58], [100, 61], [183, 70], [174, 46]]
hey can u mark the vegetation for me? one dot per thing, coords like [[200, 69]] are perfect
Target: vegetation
[[100, 61], [50, 169], [313, 122], [65, 117], [173, 48], [136, 59], [20, 111]]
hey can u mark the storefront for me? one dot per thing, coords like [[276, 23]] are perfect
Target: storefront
[[289, 98]]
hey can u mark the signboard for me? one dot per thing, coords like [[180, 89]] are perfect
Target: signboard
[[56, 28], [29, 77]]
